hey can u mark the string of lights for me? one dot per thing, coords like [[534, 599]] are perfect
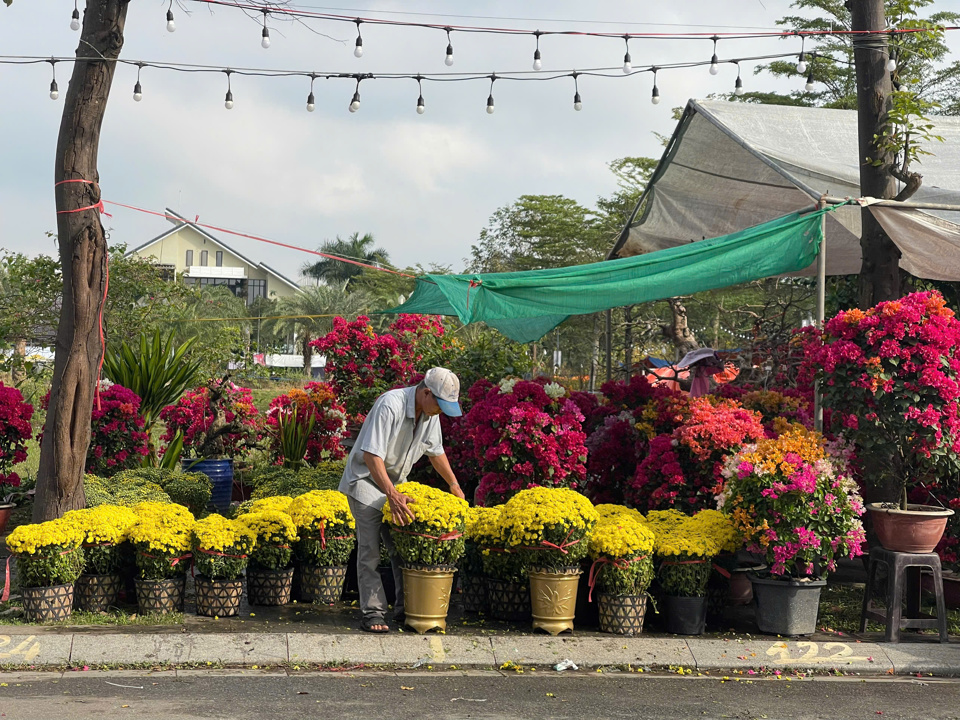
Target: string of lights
[[420, 78]]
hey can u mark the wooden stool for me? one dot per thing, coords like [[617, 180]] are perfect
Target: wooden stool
[[903, 579]]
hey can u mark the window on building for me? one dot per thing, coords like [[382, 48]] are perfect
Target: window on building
[[203, 258], [256, 289], [219, 258], [189, 258]]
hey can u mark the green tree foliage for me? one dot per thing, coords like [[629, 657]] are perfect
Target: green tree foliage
[[336, 272]]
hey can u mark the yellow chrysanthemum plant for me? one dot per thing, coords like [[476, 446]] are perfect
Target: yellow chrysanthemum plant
[[48, 553], [687, 549], [548, 527], [481, 531], [326, 528], [161, 537], [106, 529], [621, 548], [221, 547], [435, 537], [275, 533]]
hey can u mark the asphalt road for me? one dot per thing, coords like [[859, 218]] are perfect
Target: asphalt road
[[372, 696]]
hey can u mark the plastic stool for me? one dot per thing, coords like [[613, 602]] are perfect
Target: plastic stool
[[903, 577]]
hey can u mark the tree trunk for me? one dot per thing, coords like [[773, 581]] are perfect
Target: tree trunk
[[307, 355], [18, 370], [880, 268], [83, 259], [595, 353], [678, 332]]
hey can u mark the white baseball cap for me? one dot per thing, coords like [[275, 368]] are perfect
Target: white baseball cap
[[445, 386]]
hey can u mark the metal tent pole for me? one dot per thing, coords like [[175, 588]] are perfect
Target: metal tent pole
[[821, 308], [609, 345]]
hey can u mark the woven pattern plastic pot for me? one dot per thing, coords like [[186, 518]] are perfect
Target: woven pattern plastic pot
[[474, 592], [218, 598], [161, 596], [97, 593], [553, 600], [269, 587], [622, 614], [787, 607], [48, 604], [322, 584], [685, 615], [508, 600]]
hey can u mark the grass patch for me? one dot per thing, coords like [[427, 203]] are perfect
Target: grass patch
[[840, 607]]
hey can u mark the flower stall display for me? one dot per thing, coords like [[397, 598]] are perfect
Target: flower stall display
[[221, 548], [429, 547], [891, 376], [792, 503], [161, 537], [315, 405], [270, 571], [481, 531], [525, 433], [549, 528], [681, 469], [621, 548], [108, 555], [327, 533], [49, 560], [15, 432]]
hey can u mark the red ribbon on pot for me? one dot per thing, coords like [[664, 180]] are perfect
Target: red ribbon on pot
[[323, 537], [452, 535], [595, 568]]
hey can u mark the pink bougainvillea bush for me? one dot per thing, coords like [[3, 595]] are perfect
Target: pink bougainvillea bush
[[217, 420], [525, 433], [891, 375], [681, 469], [15, 431], [319, 400]]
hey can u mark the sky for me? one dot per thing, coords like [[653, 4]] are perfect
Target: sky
[[423, 185]]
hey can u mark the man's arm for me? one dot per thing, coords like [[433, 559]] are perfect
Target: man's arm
[[402, 515], [442, 466]]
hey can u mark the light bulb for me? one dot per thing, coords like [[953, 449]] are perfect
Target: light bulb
[[311, 105], [137, 92], [627, 66], [577, 105], [714, 67], [355, 103], [537, 64], [891, 64], [490, 108], [802, 64], [655, 96], [265, 42], [171, 25], [228, 100], [738, 87], [358, 50], [421, 108], [809, 87], [54, 92], [448, 60], [75, 20]]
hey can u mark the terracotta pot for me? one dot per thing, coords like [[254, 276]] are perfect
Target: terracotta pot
[[915, 530], [6, 510], [951, 588]]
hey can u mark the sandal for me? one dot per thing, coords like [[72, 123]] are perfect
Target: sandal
[[368, 624]]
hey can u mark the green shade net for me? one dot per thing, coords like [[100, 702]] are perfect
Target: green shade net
[[525, 306]]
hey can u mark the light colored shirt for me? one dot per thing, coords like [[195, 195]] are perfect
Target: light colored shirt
[[392, 433]]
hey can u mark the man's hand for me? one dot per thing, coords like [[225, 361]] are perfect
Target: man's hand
[[457, 491], [402, 515]]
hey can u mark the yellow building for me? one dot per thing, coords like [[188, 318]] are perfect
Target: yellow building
[[199, 258]]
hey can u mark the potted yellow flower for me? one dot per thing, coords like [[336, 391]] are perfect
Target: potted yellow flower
[[49, 560], [429, 548], [481, 531], [550, 528], [221, 548], [327, 535], [105, 529], [270, 572], [161, 539], [621, 548]]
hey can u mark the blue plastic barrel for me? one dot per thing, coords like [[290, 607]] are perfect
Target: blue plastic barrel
[[220, 473]]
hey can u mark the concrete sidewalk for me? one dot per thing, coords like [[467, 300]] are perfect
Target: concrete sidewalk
[[56, 649]]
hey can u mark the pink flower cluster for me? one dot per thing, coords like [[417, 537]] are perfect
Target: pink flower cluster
[[15, 431], [521, 437], [193, 415], [319, 400]]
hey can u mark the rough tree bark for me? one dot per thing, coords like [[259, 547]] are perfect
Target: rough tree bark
[[83, 252], [678, 331], [880, 267]]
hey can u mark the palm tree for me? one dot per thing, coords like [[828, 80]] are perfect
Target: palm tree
[[300, 313], [356, 247]]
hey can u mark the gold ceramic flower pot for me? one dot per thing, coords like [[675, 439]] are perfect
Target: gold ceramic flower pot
[[426, 596], [553, 597]]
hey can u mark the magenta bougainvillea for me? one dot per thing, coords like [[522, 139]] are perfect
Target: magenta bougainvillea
[[204, 435], [525, 433], [319, 400], [15, 431], [117, 438]]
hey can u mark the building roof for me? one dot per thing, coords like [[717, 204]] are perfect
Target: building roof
[[181, 221]]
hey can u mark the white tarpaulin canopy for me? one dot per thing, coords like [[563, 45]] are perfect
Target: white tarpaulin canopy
[[732, 165]]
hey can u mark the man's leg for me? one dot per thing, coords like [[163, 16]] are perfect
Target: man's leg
[[373, 601], [395, 565]]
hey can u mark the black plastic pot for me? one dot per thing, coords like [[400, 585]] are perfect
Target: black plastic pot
[[685, 615]]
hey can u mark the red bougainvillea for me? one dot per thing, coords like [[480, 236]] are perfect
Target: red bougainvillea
[[194, 415], [15, 431]]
